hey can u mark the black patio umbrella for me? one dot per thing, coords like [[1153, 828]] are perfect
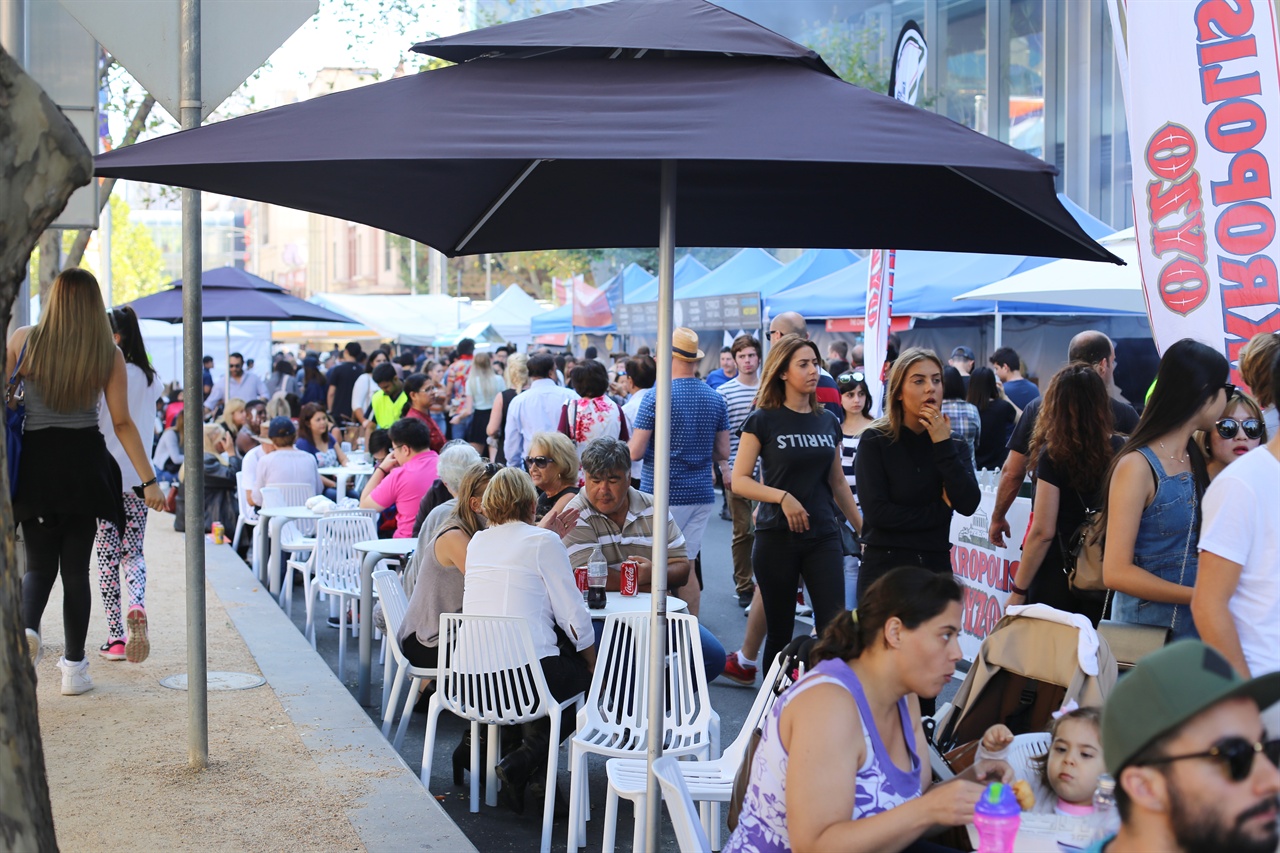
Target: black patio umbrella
[[603, 106]]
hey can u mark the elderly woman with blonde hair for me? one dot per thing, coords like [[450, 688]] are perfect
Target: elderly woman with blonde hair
[[515, 568]]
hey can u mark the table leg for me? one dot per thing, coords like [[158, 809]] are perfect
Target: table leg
[[366, 625], [341, 481], [260, 548], [273, 564]]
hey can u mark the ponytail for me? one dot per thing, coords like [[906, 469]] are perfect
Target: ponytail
[[911, 594]]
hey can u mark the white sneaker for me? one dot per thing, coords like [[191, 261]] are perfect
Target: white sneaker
[[35, 649], [75, 677]]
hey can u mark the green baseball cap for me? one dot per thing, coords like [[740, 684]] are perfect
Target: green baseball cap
[[1167, 688]]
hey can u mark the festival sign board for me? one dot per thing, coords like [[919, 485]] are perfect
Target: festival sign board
[[732, 311], [983, 570]]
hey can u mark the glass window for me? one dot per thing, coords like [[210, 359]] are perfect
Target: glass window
[[960, 50], [1026, 76]]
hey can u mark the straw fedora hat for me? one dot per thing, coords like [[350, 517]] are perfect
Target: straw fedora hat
[[684, 345]]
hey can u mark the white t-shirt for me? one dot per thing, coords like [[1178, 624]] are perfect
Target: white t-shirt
[[1241, 511], [142, 396], [631, 408]]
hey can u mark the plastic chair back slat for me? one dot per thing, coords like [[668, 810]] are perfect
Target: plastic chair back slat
[[489, 670], [337, 562]]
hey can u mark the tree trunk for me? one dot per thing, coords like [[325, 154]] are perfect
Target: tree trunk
[[42, 161], [76, 254]]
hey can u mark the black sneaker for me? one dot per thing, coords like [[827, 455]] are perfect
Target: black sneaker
[[725, 513], [744, 598]]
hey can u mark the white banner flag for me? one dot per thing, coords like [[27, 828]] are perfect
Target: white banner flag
[[1203, 83]]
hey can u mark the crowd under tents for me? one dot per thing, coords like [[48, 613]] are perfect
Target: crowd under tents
[[404, 319]]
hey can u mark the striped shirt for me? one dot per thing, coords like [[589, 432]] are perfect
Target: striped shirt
[[849, 452], [741, 400], [635, 537]]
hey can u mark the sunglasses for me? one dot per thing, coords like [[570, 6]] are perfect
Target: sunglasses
[[537, 462], [1229, 428], [1230, 389], [850, 378], [1237, 752]]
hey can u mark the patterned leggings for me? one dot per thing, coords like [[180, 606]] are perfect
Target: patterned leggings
[[116, 552]]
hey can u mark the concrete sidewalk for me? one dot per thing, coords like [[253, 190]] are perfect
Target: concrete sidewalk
[[293, 764]]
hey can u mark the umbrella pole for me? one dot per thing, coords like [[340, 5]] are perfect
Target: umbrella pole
[[661, 497], [193, 438], [999, 328], [226, 392]]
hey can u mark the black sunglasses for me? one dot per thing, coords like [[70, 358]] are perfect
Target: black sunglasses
[[1229, 428], [1237, 752], [537, 461], [1230, 389], [850, 378]]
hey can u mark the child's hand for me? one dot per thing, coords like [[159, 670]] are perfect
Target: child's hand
[[997, 738]]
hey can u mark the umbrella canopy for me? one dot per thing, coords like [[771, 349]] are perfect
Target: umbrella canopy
[[771, 153], [232, 278], [1075, 283], [234, 303], [603, 31]]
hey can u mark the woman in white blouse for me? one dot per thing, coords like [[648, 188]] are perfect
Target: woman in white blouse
[[517, 569]]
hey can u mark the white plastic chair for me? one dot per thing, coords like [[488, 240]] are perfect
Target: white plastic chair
[[709, 782], [489, 674], [248, 518], [615, 720], [394, 606], [336, 564], [1021, 755], [689, 833], [304, 566]]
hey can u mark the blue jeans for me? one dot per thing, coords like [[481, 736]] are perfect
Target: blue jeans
[[713, 653]]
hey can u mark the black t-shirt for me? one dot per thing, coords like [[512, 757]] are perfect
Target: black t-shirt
[[796, 452], [342, 378], [1071, 503], [997, 420], [1125, 419]]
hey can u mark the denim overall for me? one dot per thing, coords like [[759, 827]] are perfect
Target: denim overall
[[1166, 547]]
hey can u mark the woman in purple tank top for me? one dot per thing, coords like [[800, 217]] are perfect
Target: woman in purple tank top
[[841, 763]]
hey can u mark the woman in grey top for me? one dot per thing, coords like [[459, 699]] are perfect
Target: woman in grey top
[[67, 479]]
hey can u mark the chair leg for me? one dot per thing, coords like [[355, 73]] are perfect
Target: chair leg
[[235, 540], [310, 630], [407, 713], [388, 664], [704, 811], [429, 742], [491, 765], [577, 781], [713, 832], [553, 762], [475, 767], [389, 711], [637, 831], [611, 820], [342, 638]]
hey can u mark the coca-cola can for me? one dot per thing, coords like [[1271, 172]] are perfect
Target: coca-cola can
[[630, 577], [580, 575]]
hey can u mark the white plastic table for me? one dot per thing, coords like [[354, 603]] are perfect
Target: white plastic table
[[374, 550], [341, 474], [641, 602], [277, 516]]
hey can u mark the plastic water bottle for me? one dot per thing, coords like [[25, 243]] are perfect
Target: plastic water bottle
[[597, 576], [1106, 817], [997, 817]]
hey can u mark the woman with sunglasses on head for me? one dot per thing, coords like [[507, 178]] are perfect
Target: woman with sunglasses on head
[[1155, 484], [552, 464], [66, 477], [855, 399], [120, 549], [1238, 431]]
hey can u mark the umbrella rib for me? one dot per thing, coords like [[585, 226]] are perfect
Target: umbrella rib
[[1107, 256], [493, 208]]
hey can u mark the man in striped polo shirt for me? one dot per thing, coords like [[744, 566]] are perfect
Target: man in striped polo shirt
[[619, 519], [739, 395]]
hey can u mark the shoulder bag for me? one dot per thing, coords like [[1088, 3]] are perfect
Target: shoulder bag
[[1082, 552], [15, 422]]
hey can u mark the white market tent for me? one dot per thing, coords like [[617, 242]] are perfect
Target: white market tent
[[1079, 284], [412, 320], [510, 315], [164, 345]]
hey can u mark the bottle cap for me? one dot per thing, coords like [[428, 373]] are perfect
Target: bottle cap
[[998, 801]]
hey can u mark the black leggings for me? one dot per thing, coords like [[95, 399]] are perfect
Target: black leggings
[[779, 559], [66, 543]]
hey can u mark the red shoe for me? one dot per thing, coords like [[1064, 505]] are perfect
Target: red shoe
[[138, 647], [738, 673], [113, 650]]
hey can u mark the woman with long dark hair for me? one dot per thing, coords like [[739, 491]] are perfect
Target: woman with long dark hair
[[797, 443], [1154, 489], [121, 549], [912, 474], [420, 395], [996, 415], [966, 423], [313, 387], [67, 479], [1071, 449], [855, 399], [843, 760]]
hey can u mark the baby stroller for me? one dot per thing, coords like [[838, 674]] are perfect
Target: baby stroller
[[1035, 660]]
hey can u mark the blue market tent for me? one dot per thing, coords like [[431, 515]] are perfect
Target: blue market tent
[[733, 276], [812, 264], [925, 282], [747, 264], [626, 283], [633, 282]]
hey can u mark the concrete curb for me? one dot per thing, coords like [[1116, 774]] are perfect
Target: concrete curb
[[392, 811]]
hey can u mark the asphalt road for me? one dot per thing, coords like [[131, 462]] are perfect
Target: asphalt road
[[497, 829]]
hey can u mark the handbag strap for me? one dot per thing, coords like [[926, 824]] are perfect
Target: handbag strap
[[13, 377], [1186, 553]]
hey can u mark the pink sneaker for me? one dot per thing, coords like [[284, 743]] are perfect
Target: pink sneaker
[[113, 650], [138, 647]]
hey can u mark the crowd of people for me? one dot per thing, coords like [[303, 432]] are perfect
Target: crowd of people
[[512, 469]]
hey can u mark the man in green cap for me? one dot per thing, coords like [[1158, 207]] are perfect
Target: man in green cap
[[1194, 769]]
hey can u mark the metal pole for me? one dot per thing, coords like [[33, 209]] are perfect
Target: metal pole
[[104, 256], [661, 494], [193, 439], [999, 328]]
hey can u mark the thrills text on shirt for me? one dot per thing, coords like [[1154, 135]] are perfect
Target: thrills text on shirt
[[790, 442]]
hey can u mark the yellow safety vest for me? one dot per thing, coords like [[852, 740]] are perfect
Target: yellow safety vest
[[387, 411]]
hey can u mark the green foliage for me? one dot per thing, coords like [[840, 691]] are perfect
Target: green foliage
[[137, 267], [857, 55]]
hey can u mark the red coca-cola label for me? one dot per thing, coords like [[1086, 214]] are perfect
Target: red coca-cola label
[[630, 577], [580, 575]]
